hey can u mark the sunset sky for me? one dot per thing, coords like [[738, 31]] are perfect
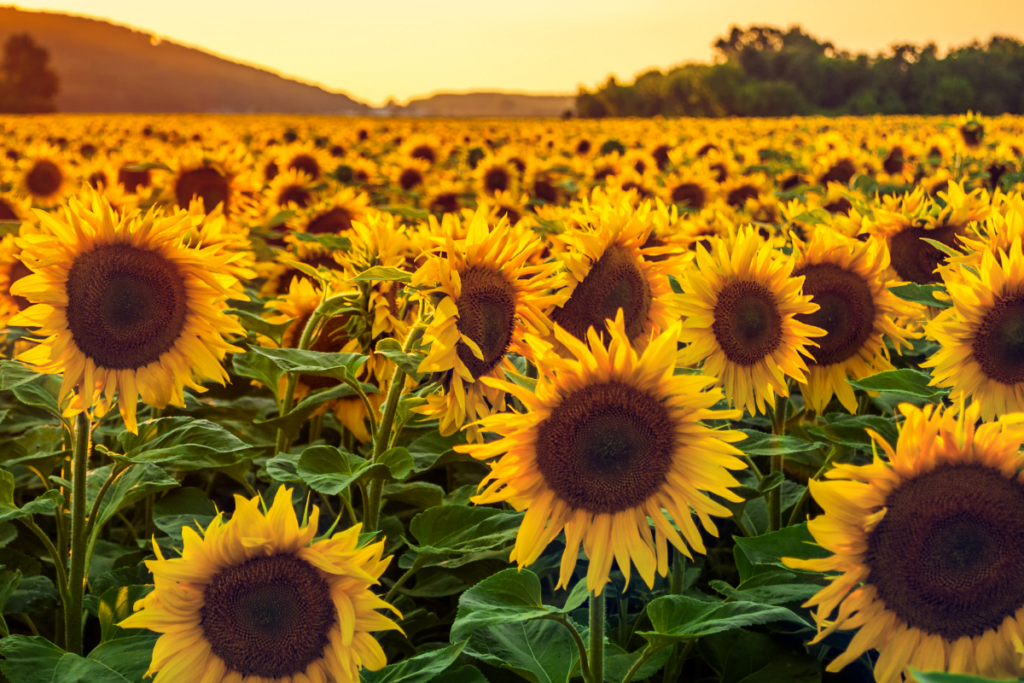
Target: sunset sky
[[405, 48]]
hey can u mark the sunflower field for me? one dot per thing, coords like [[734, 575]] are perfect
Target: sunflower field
[[312, 400]]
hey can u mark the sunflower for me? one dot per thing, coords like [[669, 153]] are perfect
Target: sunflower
[[11, 270], [905, 222], [218, 179], [333, 212], [44, 176], [740, 304], [846, 278], [255, 599], [122, 305], [289, 190], [610, 439], [613, 264], [929, 547], [981, 337], [488, 296], [494, 175]]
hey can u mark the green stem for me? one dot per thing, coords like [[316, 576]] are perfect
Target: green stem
[[76, 577], [371, 510], [675, 584], [115, 472], [419, 563], [578, 639], [597, 610], [834, 453], [293, 377], [649, 652], [316, 426], [58, 559], [778, 464]]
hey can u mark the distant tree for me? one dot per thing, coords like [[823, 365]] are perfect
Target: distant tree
[[27, 84]]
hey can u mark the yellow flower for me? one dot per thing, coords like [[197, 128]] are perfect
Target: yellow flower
[[927, 559], [981, 337], [739, 306], [610, 438], [846, 278], [255, 598], [122, 305]]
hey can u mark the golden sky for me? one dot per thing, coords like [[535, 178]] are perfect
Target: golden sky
[[377, 49]]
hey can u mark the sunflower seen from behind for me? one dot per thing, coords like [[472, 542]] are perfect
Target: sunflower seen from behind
[[255, 598], [123, 305], [740, 307], [981, 336], [846, 279], [610, 438], [487, 296], [927, 548]]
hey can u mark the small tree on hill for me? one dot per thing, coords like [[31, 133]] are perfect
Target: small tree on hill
[[27, 84]]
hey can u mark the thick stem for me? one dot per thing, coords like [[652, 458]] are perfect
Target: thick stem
[[371, 509], [293, 378], [578, 639], [597, 610], [76, 576], [675, 585]]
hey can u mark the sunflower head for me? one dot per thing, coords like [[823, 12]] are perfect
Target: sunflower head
[[740, 305], [123, 305], [257, 597], [611, 437], [929, 546]]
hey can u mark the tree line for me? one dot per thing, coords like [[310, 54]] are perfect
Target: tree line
[[766, 71], [27, 84]]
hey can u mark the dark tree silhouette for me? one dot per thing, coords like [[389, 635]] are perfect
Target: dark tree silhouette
[[27, 84], [767, 71]]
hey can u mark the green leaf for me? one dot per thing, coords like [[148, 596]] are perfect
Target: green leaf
[[921, 294], [14, 374], [115, 605], [510, 596], [433, 450], [341, 366], [409, 362], [33, 595], [768, 595], [676, 618], [8, 583], [849, 430], [43, 504], [183, 443], [293, 421], [454, 531], [36, 660], [259, 368], [793, 541], [539, 651], [905, 381], [183, 507], [618, 662], [762, 443], [751, 657], [420, 494], [382, 274], [130, 487], [330, 470], [419, 669], [329, 242], [260, 325]]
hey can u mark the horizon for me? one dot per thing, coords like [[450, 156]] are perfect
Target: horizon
[[516, 74]]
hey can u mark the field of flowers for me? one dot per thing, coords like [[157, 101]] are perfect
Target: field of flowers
[[312, 399]]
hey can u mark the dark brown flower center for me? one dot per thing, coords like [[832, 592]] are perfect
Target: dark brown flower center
[[747, 324], [948, 558], [615, 281], [545, 190], [294, 193], [410, 178], [689, 194], [269, 616], [126, 306], [841, 206], [972, 133], [18, 270], [44, 178], [894, 161], [306, 164], [6, 212], [914, 259], [331, 222], [496, 179], [999, 342], [487, 310], [133, 180], [606, 447], [740, 195], [841, 172], [203, 183], [446, 202], [424, 152], [846, 313]]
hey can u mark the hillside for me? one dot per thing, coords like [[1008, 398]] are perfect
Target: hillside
[[490, 104], [108, 68]]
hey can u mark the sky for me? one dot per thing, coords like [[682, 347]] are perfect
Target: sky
[[381, 49]]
